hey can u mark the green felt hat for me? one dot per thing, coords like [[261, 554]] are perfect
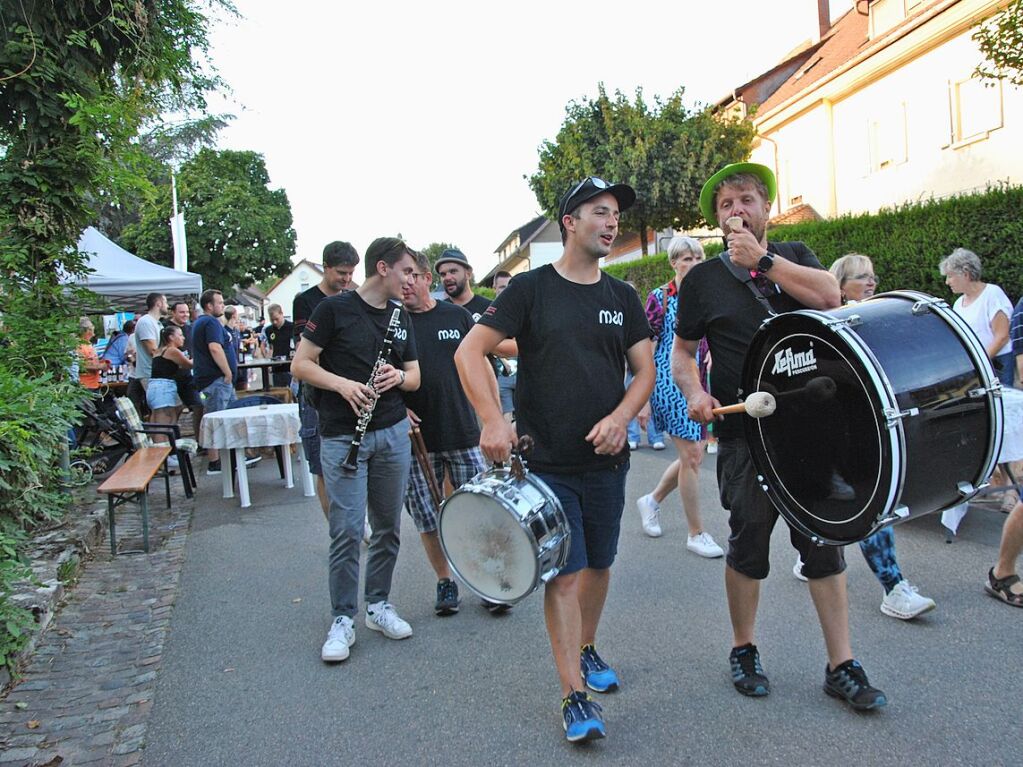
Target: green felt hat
[[707, 193]]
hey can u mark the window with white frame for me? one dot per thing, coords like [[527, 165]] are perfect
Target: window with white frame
[[886, 134], [976, 109]]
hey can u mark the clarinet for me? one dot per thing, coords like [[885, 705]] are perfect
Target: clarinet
[[351, 462]]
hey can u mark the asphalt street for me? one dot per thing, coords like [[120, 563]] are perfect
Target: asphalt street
[[242, 681]]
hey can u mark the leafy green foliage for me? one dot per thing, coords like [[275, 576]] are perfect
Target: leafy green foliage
[[905, 244], [78, 80], [1001, 41], [664, 151], [239, 230]]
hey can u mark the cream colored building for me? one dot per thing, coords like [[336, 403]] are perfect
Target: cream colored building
[[883, 108], [303, 276]]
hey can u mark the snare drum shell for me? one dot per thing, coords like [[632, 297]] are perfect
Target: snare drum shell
[[504, 536], [914, 418]]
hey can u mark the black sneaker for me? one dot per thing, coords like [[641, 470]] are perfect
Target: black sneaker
[[582, 718], [447, 597], [849, 682], [496, 608], [213, 467], [747, 673]]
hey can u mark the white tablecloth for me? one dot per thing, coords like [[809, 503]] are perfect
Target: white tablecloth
[[1012, 448], [256, 426]]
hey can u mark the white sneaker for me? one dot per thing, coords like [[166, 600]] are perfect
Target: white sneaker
[[340, 637], [904, 602], [172, 463], [712, 447], [797, 569], [658, 445], [649, 514], [633, 445], [381, 616], [704, 545]]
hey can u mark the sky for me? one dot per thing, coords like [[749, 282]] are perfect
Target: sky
[[424, 118]]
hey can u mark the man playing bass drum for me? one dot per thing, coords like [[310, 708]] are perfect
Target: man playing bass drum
[[574, 325], [340, 347]]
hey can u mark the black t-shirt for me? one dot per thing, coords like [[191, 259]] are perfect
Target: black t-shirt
[[476, 306], [280, 339], [449, 422], [302, 308], [351, 334], [713, 303], [572, 342]]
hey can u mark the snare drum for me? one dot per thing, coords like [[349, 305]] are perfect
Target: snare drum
[[912, 425], [504, 536]]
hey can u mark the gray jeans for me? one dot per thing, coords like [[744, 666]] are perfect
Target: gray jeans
[[377, 487]]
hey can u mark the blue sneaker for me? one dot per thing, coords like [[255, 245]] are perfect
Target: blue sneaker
[[598, 676], [582, 718]]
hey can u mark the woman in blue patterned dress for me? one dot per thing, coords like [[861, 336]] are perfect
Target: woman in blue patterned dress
[[669, 409]]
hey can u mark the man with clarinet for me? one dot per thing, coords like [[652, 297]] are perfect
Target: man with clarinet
[[445, 435], [359, 352]]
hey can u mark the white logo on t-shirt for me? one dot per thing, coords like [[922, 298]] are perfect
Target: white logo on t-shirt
[[611, 318], [401, 334], [448, 335]]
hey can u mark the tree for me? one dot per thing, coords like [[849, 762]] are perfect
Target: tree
[[665, 152], [432, 253], [1001, 41], [239, 230]]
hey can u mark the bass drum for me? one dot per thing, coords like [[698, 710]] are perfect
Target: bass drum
[[886, 410], [503, 536]]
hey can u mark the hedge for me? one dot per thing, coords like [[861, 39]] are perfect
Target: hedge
[[905, 243]]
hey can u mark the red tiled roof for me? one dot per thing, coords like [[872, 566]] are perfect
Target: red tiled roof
[[799, 214], [846, 40]]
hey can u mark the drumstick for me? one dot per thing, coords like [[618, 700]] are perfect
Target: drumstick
[[423, 459], [759, 404]]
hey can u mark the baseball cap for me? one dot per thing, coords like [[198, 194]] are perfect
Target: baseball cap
[[590, 187]]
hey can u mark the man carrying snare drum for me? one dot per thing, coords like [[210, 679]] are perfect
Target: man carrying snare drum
[[727, 307], [572, 323]]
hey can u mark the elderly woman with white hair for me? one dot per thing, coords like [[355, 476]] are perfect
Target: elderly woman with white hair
[[670, 413], [984, 306]]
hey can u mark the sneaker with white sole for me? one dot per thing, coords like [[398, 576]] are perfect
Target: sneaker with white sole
[[704, 545], [658, 445], [172, 464], [797, 569], [649, 514], [381, 616], [340, 637], [905, 603], [633, 445]]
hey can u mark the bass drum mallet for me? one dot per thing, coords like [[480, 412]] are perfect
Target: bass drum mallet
[[758, 404]]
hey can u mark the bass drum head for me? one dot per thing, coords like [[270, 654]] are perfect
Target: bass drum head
[[826, 457], [486, 545]]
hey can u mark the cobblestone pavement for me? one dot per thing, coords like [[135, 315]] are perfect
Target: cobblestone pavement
[[85, 695]]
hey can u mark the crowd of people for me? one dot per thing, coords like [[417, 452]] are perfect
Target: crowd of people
[[384, 363]]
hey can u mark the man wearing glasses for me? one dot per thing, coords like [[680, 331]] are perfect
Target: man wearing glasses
[[573, 324], [716, 301], [445, 418]]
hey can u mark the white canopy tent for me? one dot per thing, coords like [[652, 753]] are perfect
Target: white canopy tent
[[125, 279]]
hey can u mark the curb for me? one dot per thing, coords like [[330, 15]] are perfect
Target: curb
[[56, 557]]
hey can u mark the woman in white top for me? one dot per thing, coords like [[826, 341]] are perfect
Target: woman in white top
[[985, 308]]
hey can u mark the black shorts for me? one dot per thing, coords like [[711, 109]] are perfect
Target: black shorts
[[752, 518]]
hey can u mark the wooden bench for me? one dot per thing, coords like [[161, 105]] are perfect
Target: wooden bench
[[130, 483]]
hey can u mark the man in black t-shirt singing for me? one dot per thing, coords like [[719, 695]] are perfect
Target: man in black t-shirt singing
[[572, 323], [339, 262], [716, 303], [341, 344], [279, 335], [445, 418]]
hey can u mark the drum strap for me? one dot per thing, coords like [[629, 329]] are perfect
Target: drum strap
[[743, 276]]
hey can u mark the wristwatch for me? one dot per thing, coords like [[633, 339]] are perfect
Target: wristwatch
[[765, 263], [402, 374]]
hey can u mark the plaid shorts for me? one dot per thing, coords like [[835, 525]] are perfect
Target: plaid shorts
[[462, 465]]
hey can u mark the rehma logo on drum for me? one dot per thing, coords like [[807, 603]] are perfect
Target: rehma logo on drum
[[794, 363]]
